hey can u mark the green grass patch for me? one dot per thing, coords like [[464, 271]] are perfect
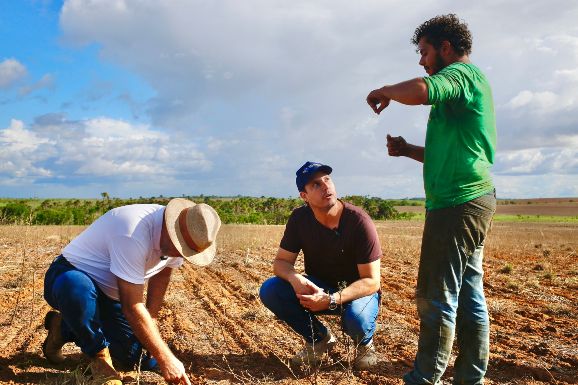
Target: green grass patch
[[509, 218], [535, 218]]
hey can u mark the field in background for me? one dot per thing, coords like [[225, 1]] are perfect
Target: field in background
[[215, 323], [521, 210]]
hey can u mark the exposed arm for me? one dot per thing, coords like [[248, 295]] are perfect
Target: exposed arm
[[411, 92], [156, 289], [144, 328], [415, 152], [368, 283], [284, 268], [397, 146]]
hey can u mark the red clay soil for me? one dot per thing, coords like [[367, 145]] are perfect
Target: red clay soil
[[214, 322]]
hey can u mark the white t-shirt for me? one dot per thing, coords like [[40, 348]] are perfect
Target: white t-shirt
[[124, 243]]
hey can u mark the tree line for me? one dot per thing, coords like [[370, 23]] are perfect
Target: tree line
[[231, 209]]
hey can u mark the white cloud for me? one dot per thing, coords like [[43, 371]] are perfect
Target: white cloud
[[247, 91], [539, 161], [98, 148], [545, 102], [20, 151], [11, 71]]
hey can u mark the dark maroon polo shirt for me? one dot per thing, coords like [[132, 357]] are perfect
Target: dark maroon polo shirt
[[332, 255]]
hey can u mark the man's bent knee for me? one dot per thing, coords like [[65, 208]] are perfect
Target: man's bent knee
[[271, 290]]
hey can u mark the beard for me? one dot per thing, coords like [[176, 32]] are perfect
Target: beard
[[439, 64]]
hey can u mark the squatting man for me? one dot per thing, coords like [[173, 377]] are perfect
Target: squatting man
[[340, 244], [97, 285]]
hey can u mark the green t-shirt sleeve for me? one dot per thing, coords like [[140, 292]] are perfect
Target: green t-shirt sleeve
[[449, 84]]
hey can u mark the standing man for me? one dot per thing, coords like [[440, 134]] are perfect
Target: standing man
[[342, 254], [460, 199], [97, 284]]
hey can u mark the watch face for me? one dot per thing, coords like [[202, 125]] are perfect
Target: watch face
[[332, 303]]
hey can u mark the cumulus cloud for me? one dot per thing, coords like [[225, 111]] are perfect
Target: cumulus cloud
[[21, 152], [101, 149], [263, 83], [538, 161], [244, 92], [11, 71]]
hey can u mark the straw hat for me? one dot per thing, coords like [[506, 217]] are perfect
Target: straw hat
[[193, 229]]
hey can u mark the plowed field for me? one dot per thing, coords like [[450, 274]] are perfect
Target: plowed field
[[214, 322]]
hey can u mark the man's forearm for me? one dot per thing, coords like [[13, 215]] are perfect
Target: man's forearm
[[156, 290], [360, 288], [411, 92], [147, 332], [415, 152], [284, 270]]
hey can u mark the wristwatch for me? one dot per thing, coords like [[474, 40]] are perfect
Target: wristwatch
[[332, 303]]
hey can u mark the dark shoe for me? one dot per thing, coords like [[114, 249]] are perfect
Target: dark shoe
[[102, 370], [52, 345]]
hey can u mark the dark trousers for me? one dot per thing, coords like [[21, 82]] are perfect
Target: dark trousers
[[450, 293]]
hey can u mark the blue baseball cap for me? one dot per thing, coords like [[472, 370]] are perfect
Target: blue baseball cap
[[307, 171]]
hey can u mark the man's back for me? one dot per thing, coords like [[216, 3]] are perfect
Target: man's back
[[124, 243]]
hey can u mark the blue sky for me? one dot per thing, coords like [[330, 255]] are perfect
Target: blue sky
[[142, 98]]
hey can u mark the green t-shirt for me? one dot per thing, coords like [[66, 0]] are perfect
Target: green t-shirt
[[461, 136]]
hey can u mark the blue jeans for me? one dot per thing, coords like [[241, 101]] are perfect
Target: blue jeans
[[450, 293], [91, 319], [358, 317]]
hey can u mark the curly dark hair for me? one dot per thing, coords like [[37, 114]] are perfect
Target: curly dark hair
[[445, 27]]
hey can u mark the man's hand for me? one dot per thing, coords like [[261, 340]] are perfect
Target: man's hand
[[397, 146], [318, 300], [377, 100], [146, 331], [173, 371]]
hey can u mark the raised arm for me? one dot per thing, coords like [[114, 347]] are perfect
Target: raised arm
[[411, 92]]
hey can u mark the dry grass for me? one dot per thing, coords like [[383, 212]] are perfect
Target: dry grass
[[215, 323]]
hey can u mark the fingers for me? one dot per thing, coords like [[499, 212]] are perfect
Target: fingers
[[305, 297], [396, 146], [373, 104], [373, 101]]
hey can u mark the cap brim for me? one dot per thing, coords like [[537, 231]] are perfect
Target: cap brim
[[323, 168], [172, 212]]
